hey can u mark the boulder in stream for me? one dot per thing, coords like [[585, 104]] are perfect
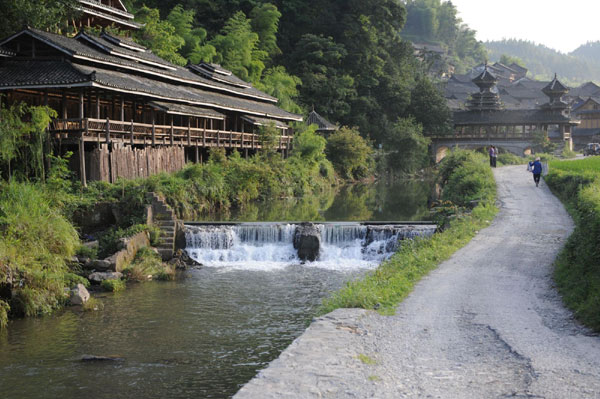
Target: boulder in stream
[[98, 277], [79, 295], [307, 240]]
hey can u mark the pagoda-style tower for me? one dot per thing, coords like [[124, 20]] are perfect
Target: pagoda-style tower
[[487, 99], [555, 90]]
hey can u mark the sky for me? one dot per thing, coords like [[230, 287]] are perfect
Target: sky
[[562, 25]]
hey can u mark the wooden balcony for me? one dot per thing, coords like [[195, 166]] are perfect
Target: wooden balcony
[[103, 131]]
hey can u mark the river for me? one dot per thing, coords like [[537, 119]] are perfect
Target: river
[[205, 334]]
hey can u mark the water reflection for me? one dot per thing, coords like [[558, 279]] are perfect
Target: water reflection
[[397, 200]]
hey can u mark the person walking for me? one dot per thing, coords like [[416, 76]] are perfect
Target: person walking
[[495, 156], [491, 152], [536, 169]]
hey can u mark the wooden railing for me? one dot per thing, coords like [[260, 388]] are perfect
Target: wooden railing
[[135, 133]]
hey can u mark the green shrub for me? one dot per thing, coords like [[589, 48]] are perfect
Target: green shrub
[[88, 252], [350, 154], [146, 263], [508, 158], [93, 304], [4, 309], [113, 285]]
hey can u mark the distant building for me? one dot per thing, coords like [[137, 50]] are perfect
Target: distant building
[[323, 125], [103, 13]]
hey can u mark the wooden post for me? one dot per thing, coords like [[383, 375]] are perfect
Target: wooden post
[[196, 152], [82, 160], [64, 105], [123, 110], [230, 139], [153, 131], [218, 139], [171, 130], [107, 131], [131, 133], [189, 133], [81, 105], [97, 105], [204, 137]]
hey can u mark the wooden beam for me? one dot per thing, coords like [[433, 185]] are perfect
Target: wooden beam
[[82, 161]]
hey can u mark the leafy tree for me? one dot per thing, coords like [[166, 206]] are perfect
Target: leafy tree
[[508, 60], [308, 145], [22, 136], [237, 49], [159, 35], [195, 47], [406, 146], [428, 107], [52, 15], [350, 154], [317, 60], [264, 20], [280, 84]]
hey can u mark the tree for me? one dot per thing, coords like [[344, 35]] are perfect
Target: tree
[[406, 146], [350, 154], [159, 36], [237, 49], [308, 145], [428, 107], [195, 48], [280, 84], [264, 20], [52, 15], [508, 60]]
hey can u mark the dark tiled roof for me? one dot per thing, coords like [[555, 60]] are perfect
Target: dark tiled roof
[[264, 121], [322, 123], [122, 41], [40, 73], [555, 87], [508, 117], [78, 49], [223, 76], [110, 17], [119, 51], [485, 77], [167, 91], [188, 110]]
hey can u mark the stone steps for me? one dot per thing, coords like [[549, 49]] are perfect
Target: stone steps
[[164, 218]]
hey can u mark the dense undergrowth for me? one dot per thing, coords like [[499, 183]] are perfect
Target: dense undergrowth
[[577, 271], [467, 205]]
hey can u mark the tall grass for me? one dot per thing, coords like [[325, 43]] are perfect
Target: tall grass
[[577, 269], [36, 242], [465, 178]]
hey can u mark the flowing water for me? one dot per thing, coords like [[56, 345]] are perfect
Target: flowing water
[[209, 332]]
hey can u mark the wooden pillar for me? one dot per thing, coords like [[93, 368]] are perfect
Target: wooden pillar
[[189, 133], [81, 113], [196, 158], [107, 131], [153, 131], [171, 132], [64, 105], [131, 133], [123, 109], [82, 160]]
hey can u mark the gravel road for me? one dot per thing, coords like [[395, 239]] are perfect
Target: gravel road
[[487, 323]]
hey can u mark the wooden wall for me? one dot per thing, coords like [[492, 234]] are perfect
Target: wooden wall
[[130, 163]]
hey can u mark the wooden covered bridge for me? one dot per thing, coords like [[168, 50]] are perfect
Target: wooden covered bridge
[[486, 123], [125, 112]]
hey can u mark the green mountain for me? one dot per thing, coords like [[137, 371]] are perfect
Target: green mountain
[[582, 65]]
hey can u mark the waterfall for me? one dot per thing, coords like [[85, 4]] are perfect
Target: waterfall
[[268, 246]]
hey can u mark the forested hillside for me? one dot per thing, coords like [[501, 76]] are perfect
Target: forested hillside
[[436, 22], [580, 66]]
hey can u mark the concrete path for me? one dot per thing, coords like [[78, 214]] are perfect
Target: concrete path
[[487, 323]]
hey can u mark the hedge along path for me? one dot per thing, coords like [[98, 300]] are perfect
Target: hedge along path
[[486, 323]]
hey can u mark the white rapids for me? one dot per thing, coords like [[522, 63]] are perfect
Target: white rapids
[[269, 246]]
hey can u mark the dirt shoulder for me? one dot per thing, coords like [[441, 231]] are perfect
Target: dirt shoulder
[[486, 323]]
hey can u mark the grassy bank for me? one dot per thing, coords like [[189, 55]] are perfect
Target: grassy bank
[[577, 269], [466, 181]]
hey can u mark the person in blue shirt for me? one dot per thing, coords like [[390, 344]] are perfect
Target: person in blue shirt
[[536, 169]]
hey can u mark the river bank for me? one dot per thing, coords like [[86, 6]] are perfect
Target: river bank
[[485, 323]]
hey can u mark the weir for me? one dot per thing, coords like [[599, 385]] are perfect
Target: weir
[[337, 245]]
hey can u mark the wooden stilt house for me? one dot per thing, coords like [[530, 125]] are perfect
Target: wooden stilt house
[[124, 111]]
